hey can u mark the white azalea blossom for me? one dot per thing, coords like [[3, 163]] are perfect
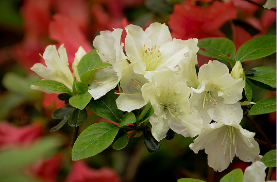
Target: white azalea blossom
[[153, 49], [56, 66], [131, 83], [223, 141], [169, 96], [255, 172], [217, 96], [110, 50]]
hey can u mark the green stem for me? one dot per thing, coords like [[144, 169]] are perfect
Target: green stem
[[269, 173]]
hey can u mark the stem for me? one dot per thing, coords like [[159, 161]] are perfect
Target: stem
[[259, 5], [210, 174], [74, 135], [261, 142], [269, 173], [260, 131]]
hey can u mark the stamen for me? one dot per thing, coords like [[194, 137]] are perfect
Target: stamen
[[98, 83]]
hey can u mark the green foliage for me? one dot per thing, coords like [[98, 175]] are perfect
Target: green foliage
[[256, 48], [80, 101], [106, 107], [94, 140], [150, 142], [149, 113], [269, 159], [61, 112], [51, 85], [189, 180], [121, 142], [218, 48], [64, 96], [77, 117], [262, 85], [60, 125], [159, 6], [90, 62], [127, 119], [234, 176], [248, 90], [144, 112], [265, 75], [264, 106], [80, 87]]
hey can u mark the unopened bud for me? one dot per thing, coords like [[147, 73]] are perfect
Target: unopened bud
[[237, 71]]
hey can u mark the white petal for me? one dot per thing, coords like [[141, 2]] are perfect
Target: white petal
[[158, 33], [212, 70], [63, 55], [78, 56], [255, 172], [106, 78], [130, 102], [159, 127]]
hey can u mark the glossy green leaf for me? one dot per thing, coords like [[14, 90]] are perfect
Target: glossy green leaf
[[51, 85], [77, 118], [61, 112], [61, 123], [106, 107], [256, 48], [121, 142], [64, 96], [189, 180], [149, 113], [86, 77], [150, 142], [265, 75], [128, 118], [269, 159], [145, 110], [80, 101], [80, 87], [91, 61], [218, 48], [94, 140], [264, 106], [233, 176], [248, 90], [262, 85]]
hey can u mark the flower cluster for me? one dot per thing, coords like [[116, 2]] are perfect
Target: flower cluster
[[151, 67]]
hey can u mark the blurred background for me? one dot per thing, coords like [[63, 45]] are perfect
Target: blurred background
[[29, 152]]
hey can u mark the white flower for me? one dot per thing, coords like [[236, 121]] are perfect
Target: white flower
[[270, 4], [169, 96], [78, 56], [222, 141], [131, 83], [56, 66], [153, 49], [255, 172], [218, 94], [110, 50]]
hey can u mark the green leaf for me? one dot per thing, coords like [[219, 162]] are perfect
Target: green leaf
[[80, 101], [265, 75], [80, 87], [64, 96], [58, 126], [94, 140], [262, 85], [218, 48], [150, 142], [77, 118], [248, 90], [189, 180], [51, 85], [106, 107], [145, 110], [61, 112], [86, 77], [234, 176], [256, 48], [149, 113], [121, 142], [91, 61], [269, 159], [264, 106], [127, 119], [161, 6]]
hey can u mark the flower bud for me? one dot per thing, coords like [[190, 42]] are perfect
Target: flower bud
[[237, 71], [78, 56]]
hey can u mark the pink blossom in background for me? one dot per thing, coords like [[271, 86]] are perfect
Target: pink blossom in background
[[51, 101], [46, 169], [191, 21], [80, 172], [11, 135]]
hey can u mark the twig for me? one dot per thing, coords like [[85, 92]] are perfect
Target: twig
[[133, 163], [260, 131], [74, 135], [210, 175], [261, 142], [269, 174], [259, 5]]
